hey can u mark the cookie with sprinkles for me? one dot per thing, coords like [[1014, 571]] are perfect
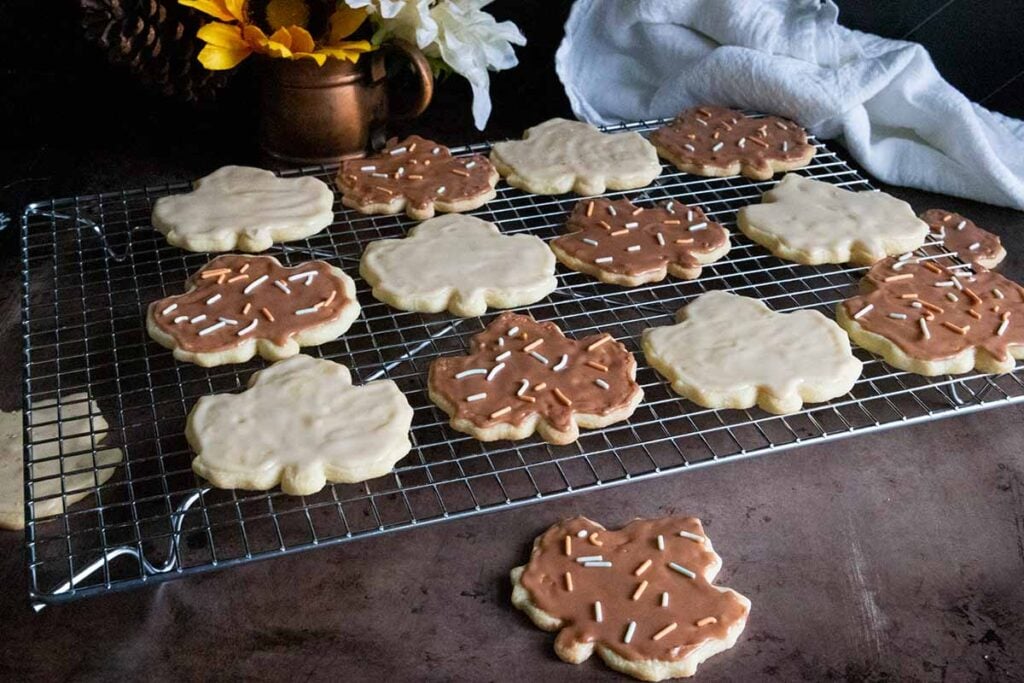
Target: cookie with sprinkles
[[642, 596], [238, 306], [418, 176], [623, 244], [716, 141], [936, 316], [963, 237], [522, 376]]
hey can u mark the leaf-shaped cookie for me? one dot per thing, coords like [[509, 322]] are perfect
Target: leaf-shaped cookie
[[237, 207], [643, 596], [460, 263], [300, 423], [559, 156], [523, 376], [814, 222], [419, 176], [730, 351]]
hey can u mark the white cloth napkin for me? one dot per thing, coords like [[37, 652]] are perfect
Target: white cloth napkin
[[884, 99]]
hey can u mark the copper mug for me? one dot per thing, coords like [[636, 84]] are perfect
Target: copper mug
[[313, 114]]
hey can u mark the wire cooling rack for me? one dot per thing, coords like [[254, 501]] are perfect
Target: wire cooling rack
[[93, 263]]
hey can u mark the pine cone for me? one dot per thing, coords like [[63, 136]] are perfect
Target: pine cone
[[156, 41]]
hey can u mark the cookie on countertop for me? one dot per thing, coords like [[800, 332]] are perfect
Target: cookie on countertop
[[623, 244], [642, 596], [238, 306], [964, 238], [301, 423], [814, 222], [459, 263], [65, 468], [933, 316], [560, 156], [717, 141], [731, 351], [418, 176], [522, 376], [238, 207]]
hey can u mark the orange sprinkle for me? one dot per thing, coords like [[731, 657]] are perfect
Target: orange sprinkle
[[758, 141], [948, 217], [528, 399], [671, 222], [597, 366], [383, 189], [995, 309], [237, 278], [524, 336], [639, 590], [974, 314], [243, 268], [707, 620], [267, 314], [501, 411], [599, 342], [932, 307], [562, 398], [459, 171], [568, 545], [248, 305], [687, 241], [541, 386], [932, 267], [636, 212], [426, 162], [590, 209], [908, 296], [1005, 315], [595, 540], [897, 278], [532, 345], [704, 111], [605, 225], [334, 293], [956, 328], [971, 295], [568, 581], [412, 147], [221, 279], [716, 135], [415, 176], [642, 568], [665, 631], [619, 232]]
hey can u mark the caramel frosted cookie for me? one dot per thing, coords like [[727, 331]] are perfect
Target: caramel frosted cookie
[[66, 466], [300, 423], [964, 238], [237, 207], [523, 376], [642, 596], [459, 263], [560, 156], [623, 244], [418, 176], [237, 306], [716, 141], [730, 351], [813, 222], [932, 317]]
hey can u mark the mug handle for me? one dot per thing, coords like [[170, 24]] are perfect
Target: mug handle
[[420, 66]]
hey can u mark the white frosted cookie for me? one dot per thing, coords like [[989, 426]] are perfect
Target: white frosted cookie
[[238, 207], [79, 479], [559, 156], [459, 263], [300, 423], [812, 222], [731, 351]]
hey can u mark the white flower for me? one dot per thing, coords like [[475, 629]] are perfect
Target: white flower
[[385, 8]]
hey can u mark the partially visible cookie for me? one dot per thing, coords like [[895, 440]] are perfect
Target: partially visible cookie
[[814, 222], [560, 156], [459, 263], [731, 351], [417, 176], [68, 463], [237, 207], [523, 376], [964, 238], [300, 423], [929, 317], [716, 141], [642, 596], [623, 244], [237, 306]]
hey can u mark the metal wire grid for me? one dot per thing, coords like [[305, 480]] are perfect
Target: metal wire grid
[[92, 264]]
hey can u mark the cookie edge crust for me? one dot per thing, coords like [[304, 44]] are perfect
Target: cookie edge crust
[[745, 169], [265, 348], [401, 203]]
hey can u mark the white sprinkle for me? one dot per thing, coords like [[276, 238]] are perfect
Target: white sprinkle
[[780, 124], [598, 612], [282, 286], [956, 283], [603, 259], [690, 148], [471, 164], [379, 175], [661, 239], [211, 329], [367, 169], [539, 357], [961, 225], [944, 283], [476, 397], [308, 275], [631, 225], [198, 319], [1002, 327], [633, 247], [398, 150], [513, 331], [582, 533], [698, 226], [924, 328], [742, 142], [228, 321], [682, 570], [630, 630], [975, 247], [180, 319], [562, 363], [502, 356], [590, 558], [691, 536], [689, 215], [904, 257], [952, 297], [597, 564], [591, 242], [864, 311], [916, 304], [668, 207], [898, 265], [494, 371], [998, 294], [307, 311], [898, 316], [248, 328], [785, 145], [601, 383], [611, 210], [436, 150], [501, 342], [255, 283], [400, 172], [169, 309], [661, 542], [214, 299], [664, 599], [717, 147], [469, 373], [524, 384], [441, 189]]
